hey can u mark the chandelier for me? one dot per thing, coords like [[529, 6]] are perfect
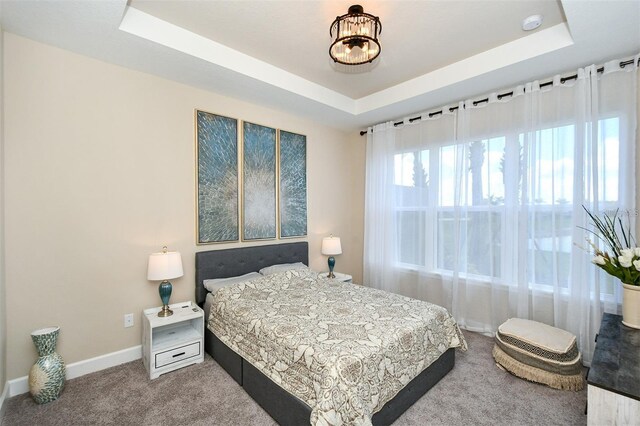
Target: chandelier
[[355, 37]]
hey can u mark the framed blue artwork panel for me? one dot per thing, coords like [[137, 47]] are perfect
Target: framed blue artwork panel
[[258, 182], [293, 185], [217, 178]]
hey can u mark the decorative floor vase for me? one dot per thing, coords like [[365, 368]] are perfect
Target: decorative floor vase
[[631, 305], [46, 378]]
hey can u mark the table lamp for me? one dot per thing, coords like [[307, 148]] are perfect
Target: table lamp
[[162, 267], [330, 247]]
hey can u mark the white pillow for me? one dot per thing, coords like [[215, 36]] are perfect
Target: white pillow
[[273, 269], [218, 283]]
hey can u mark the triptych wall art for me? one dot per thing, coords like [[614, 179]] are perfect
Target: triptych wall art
[[293, 185], [255, 189], [217, 170], [258, 182]]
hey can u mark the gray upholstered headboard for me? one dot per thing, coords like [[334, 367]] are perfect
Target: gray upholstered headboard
[[239, 261]]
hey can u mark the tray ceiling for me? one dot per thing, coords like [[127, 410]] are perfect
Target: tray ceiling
[[418, 37], [275, 53]]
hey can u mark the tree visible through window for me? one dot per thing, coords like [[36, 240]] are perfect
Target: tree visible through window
[[500, 176]]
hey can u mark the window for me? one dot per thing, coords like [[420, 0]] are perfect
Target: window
[[462, 204], [411, 178]]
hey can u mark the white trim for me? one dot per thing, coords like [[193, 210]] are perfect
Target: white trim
[[21, 384], [154, 29], [525, 48], [3, 398], [18, 386], [141, 24]]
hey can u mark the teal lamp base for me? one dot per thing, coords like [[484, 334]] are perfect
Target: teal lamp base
[[165, 293], [332, 263]]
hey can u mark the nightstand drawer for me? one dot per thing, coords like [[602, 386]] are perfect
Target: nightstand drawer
[[177, 354]]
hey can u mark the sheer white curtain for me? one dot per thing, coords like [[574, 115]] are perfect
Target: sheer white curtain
[[479, 208]]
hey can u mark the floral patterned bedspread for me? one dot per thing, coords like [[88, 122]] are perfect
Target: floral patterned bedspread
[[342, 348]]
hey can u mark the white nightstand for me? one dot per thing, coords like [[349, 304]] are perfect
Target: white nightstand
[[169, 343], [345, 278]]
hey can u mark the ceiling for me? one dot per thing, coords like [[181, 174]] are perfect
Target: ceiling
[[275, 53], [418, 37]]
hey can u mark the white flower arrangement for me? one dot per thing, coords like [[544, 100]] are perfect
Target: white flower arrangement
[[622, 259]]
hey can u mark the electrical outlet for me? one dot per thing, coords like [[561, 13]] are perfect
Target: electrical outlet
[[128, 320]]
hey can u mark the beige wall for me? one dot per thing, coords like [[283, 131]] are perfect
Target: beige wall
[[355, 211], [100, 173], [638, 161], [3, 318]]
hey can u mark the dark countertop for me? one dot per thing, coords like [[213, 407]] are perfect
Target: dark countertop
[[616, 359]]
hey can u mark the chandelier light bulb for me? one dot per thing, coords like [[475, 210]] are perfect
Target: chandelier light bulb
[[355, 29]]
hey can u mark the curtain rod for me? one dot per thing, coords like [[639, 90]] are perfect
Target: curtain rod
[[502, 95]]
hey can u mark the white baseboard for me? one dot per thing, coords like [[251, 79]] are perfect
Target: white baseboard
[[3, 399], [102, 362], [21, 384]]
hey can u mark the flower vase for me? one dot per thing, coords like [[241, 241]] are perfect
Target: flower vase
[[631, 305], [47, 376]]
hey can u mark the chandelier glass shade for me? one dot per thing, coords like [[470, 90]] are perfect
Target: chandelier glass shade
[[355, 37]]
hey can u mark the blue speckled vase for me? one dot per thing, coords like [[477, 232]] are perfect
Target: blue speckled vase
[[47, 376]]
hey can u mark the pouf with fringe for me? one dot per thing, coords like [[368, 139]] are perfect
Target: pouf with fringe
[[539, 353]]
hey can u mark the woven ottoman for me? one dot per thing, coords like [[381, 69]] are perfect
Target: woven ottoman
[[539, 353]]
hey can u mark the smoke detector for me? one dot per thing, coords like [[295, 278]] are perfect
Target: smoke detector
[[531, 22]]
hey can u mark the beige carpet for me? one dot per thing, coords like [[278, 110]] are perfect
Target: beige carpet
[[476, 392]]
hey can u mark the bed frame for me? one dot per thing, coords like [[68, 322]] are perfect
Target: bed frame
[[285, 408]]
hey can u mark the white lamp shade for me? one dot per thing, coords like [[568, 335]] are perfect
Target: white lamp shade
[[331, 246], [164, 266]]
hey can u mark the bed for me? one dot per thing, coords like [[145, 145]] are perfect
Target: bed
[[262, 375]]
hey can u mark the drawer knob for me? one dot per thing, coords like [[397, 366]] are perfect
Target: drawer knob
[[180, 354]]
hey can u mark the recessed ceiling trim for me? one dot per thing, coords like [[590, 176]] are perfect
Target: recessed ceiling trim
[[522, 49], [162, 32], [92, 29]]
